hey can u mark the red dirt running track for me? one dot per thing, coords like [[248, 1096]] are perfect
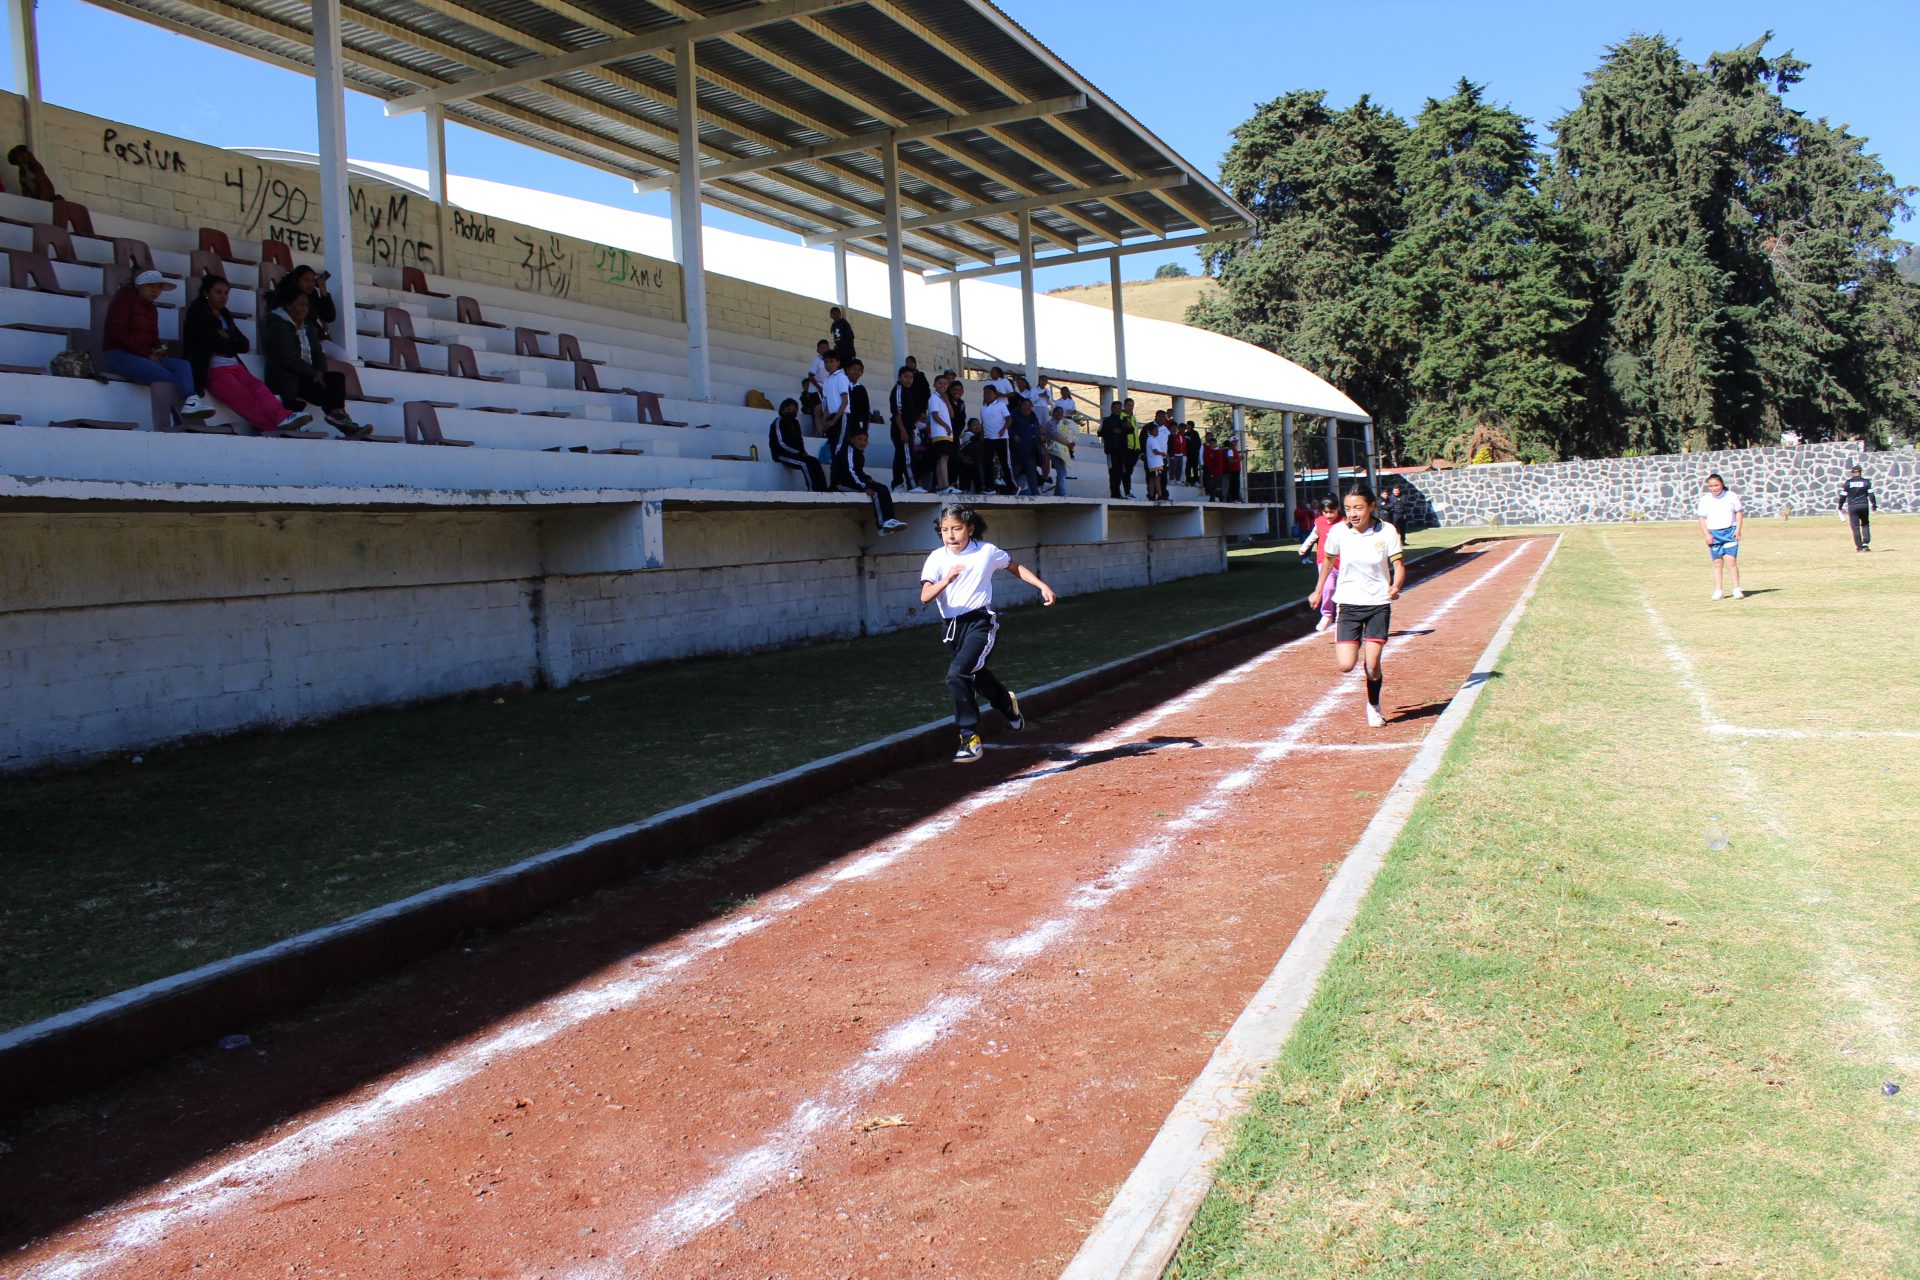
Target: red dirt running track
[[923, 1028]]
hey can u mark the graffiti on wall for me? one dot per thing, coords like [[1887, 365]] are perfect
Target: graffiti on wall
[[390, 239], [546, 266], [472, 227], [618, 267], [271, 208], [141, 153]]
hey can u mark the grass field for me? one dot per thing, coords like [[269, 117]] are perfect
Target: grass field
[[121, 873], [1568, 1039]]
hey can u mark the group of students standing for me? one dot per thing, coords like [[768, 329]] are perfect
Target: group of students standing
[[295, 349], [1170, 453]]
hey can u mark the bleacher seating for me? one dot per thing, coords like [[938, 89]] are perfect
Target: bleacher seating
[[446, 362]]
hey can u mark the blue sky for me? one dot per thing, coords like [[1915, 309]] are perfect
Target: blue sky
[[1190, 86]]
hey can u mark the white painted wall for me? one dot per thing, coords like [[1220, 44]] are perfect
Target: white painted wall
[[120, 629]]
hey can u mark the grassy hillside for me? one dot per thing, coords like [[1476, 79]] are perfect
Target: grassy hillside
[[1155, 299]]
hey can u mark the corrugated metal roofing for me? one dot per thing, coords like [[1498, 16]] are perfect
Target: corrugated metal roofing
[[854, 69]]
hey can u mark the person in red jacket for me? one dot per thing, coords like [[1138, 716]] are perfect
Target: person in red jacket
[[1231, 464], [1214, 458], [130, 345]]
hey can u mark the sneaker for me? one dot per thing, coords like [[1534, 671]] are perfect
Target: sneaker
[[952, 488], [969, 750], [194, 407], [1738, 594], [294, 421], [1374, 719], [1718, 595], [1323, 624], [891, 525], [1018, 720]]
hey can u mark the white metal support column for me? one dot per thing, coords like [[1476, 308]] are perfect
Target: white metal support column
[[1333, 458], [1292, 496], [840, 272], [24, 34], [896, 260], [437, 184], [1107, 397], [1028, 328], [959, 328], [1179, 408], [1240, 443], [336, 207], [1373, 461], [1119, 330], [687, 239]]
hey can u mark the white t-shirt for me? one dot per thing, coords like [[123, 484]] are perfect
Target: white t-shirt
[[1156, 449], [973, 589], [1002, 384], [818, 369], [1042, 401], [993, 420], [1720, 512], [833, 392], [1366, 561], [939, 418]]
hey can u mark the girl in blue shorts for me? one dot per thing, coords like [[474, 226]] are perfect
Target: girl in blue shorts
[[1722, 521]]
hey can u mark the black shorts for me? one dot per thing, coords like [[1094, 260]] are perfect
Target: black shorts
[[1359, 622]]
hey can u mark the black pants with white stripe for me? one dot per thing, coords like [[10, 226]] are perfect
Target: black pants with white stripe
[[969, 639]]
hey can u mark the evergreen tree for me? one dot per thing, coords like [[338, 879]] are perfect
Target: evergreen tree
[[1482, 285], [1743, 281], [1322, 185]]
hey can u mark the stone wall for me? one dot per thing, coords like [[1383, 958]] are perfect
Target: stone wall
[[1801, 479], [136, 173], [120, 629]]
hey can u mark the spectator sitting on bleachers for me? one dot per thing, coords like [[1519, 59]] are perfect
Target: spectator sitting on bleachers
[[850, 474], [130, 344], [35, 184], [320, 306], [293, 345], [787, 442], [214, 344], [842, 336]]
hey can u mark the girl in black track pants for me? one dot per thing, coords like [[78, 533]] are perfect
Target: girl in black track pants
[[959, 574]]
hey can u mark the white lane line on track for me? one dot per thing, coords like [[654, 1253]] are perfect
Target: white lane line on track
[[1189, 744], [744, 1176], [145, 1221]]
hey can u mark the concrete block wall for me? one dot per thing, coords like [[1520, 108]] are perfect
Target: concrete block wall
[[124, 629], [119, 168], [1803, 479]]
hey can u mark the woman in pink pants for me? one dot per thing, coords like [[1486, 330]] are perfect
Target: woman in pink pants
[[214, 345], [1323, 523]]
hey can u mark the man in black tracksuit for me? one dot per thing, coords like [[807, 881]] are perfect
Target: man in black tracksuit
[[1857, 500], [787, 443], [1113, 439]]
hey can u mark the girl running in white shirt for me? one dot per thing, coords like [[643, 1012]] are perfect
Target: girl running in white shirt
[[959, 574], [1367, 554]]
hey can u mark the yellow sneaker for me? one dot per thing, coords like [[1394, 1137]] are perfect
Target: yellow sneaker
[[970, 749]]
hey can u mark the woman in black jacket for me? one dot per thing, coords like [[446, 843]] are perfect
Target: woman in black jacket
[[297, 365], [213, 345]]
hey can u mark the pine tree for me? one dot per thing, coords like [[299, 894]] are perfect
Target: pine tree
[[1482, 286], [1322, 185]]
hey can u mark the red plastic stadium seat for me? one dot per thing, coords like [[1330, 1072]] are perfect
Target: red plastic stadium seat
[[414, 280], [423, 425], [26, 269], [467, 311], [461, 364], [216, 242]]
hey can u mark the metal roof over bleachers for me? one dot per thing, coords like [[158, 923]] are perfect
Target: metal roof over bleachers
[[793, 97]]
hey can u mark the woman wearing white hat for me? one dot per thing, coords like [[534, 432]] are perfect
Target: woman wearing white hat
[[130, 345]]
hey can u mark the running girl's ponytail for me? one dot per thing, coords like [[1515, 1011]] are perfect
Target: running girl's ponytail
[[965, 515]]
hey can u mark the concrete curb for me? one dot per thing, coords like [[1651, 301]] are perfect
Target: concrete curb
[[110, 1036], [1142, 1228]]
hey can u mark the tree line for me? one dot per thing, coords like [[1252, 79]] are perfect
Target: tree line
[[1693, 264]]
